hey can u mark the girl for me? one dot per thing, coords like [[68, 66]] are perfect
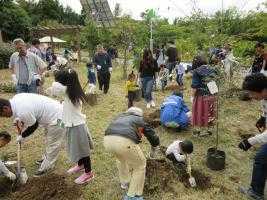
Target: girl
[[131, 88], [163, 76], [79, 140], [147, 72]]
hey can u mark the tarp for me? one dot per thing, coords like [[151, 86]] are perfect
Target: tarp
[[47, 39]]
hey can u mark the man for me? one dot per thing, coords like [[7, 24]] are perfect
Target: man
[[103, 63], [35, 48], [26, 68], [256, 86], [31, 111], [173, 57], [260, 59]]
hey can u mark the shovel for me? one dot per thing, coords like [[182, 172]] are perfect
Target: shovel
[[191, 179]]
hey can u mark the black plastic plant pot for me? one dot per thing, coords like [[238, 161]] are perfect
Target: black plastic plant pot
[[215, 159]]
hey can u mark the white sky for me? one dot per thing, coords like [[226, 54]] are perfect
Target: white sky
[[171, 8]]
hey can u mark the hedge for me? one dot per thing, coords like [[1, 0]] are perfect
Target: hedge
[[6, 51]]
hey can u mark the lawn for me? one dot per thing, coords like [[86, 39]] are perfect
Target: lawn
[[236, 117]]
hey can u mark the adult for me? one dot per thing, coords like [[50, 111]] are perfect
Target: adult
[[173, 56], [103, 64], [260, 60], [256, 86], [204, 103], [31, 111], [121, 139], [174, 113], [35, 48], [26, 68], [148, 73]]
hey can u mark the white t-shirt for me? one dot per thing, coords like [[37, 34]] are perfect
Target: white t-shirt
[[174, 149], [29, 108]]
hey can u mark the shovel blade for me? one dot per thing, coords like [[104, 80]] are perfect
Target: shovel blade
[[192, 182]]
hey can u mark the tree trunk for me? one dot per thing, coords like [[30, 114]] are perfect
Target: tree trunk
[[124, 76]]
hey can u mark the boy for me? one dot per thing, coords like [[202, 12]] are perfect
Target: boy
[[91, 73], [180, 70], [178, 150], [4, 140], [163, 76], [131, 88]]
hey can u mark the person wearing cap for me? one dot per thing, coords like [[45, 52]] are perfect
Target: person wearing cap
[[103, 64], [26, 68], [121, 139]]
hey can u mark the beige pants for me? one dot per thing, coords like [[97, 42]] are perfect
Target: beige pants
[[131, 162]]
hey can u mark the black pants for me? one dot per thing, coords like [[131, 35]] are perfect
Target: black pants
[[103, 81], [131, 97], [174, 161], [86, 162]]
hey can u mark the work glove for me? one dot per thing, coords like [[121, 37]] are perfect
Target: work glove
[[14, 79], [19, 139], [11, 176], [98, 67], [244, 145], [261, 124], [110, 69], [153, 152]]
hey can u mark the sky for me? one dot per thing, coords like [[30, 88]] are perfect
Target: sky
[[172, 8]]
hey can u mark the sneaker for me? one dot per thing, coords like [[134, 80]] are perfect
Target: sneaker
[[250, 193], [75, 169], [39, 162], [148, 105], [40, 173], [126, 197], [84, 178], [124, 186], [153, 103]]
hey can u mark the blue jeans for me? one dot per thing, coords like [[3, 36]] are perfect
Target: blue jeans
[[179, 79], [25, 88], [147, 87], [259, 173]]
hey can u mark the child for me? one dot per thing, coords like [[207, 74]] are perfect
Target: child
[[131, 88], [163, 76], [91, 73], [4, 140], [178, 151], [79, 139], [180, 70]]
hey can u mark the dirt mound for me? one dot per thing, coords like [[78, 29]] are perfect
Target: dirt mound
[[5, 187], [153, 118], [49, 187], [161, 176]]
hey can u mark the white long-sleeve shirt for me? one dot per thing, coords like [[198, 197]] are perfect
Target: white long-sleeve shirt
[[72, 114], [175, 149]]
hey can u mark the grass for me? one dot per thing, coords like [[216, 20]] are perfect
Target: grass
[[235, 117]]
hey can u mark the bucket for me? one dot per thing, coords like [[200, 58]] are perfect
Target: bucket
[[215, 159]]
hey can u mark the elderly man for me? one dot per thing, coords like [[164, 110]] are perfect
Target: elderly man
[[26, 68], [31, 111]]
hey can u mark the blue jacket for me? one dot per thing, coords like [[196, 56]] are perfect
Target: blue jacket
[[173, 112]]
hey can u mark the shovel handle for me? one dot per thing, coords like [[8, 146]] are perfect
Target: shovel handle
[[189, 166], [18, 154]]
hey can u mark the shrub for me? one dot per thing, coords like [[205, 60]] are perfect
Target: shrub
[[6, 51]]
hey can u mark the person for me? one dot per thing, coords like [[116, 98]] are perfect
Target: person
[[26, 68], [161, 57], [260, 59], [178, 151], [35, 48], [174, 113], [256, 86], [163, 76], [148, 73], [180, 71], [121, 139], [5, 138], [131, 88], [173, 56], [91, 73], [30, 111], [203, 102], [79, 140], [49, 52], [103, 63]]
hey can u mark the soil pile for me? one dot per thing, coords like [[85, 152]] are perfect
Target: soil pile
[[49, 187], [153, 118]]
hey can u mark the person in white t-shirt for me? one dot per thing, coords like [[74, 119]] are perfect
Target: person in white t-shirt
[[30, 111], [178, 150]]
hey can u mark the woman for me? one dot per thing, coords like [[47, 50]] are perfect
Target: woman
[[121, 139], [147, 72], [204, 103], [256, 86]]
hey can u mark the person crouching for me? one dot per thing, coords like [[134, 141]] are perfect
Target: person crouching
[[121, 139]]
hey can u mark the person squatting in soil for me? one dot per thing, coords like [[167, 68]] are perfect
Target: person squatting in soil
[[131, 87], [203, 102], [30, 111], [79, 140], [178, 150], [121, 139], [256, 85], [148, 73], [103, 64], [5, 138]]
